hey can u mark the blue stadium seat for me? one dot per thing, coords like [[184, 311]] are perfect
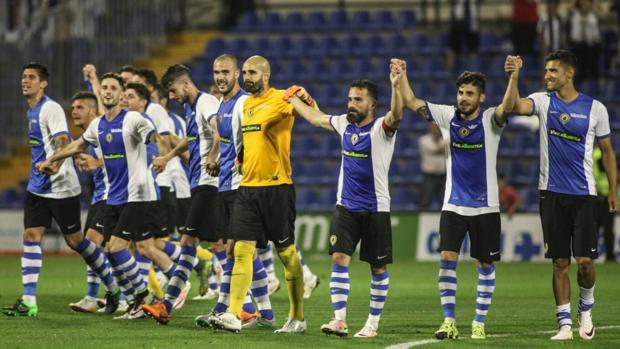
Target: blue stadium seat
[[317, 21], [385, 20], [489, 42], [239, 47], [294, 22], [422, 43], [326, 46], [348, 46], [283, 46], [273, 23], [396, 44], [530, 200], [338, 21], [612, 90], [369, 46], [248, 22], [361, 21], [407, 19], [404, 200]]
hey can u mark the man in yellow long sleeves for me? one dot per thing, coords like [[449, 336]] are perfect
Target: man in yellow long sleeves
[[265, 206]]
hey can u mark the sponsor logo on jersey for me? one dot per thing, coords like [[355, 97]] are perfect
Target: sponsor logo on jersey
[[354, 154], [467, 146], [250, 128], [113, 156], [565, 135]]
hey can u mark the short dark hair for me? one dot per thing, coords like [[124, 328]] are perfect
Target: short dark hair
[[566, 58], [114, 76], [173, 72], [371, 87], [148, 75], [162, 92], [42, 71], [86, 95], [472, 77], [140, 89], [228, 56], [127, 68]]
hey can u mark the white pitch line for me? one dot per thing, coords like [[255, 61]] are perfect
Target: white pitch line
[[418, 343]]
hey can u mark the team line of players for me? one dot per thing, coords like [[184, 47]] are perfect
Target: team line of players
[[241, 194]]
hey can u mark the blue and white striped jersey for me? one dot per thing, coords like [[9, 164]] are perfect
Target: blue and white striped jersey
[[163, 125], [567, 135], [471, 159], [228, 120], [100, 180], [200, 138], [46, 121], [363, 184], [123, 146], [179, 169]]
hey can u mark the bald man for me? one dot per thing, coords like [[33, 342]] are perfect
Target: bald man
[[264, 209]]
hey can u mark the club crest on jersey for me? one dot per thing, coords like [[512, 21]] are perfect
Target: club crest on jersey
[[463, 131], [108, 137], [220, 117], [564, 118], [250, 113], [354, 138], [332, 239]]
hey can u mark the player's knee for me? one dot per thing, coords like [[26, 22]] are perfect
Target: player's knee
[[94, 236], [116, 244], [341, 259], [561, 265], [584, 265], [74, 239], [378, 269], [145, 247], [33, 234], [449, 255]]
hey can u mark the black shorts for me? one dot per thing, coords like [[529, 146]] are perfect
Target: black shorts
[[95, 217], [133, 221], [484, 234], [569, 225], [183, 206], [373, 229], [202, 217], [264, 214], [226, 202], [167, 212], [39, 211]]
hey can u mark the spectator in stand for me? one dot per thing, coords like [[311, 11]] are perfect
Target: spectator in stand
[[551, 29], [585, 39], [464, 29], [524, 22], [604, 218], [509, 198], [433, 165]]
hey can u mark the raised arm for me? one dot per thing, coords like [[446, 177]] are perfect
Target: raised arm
[[609, 162], [294, 95], [395, 115], [512, 67], [410, 100], [90, 75]]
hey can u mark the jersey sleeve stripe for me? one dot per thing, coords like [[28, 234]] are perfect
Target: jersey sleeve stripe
[[533, 106], [604, 136], [430, 113], [147, 140], [60, 133], [85, 140]]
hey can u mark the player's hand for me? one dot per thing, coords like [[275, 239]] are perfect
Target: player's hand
[[396, 74], [47, 167], [299, 92], [613, 203], [87, 163], [159, 163], [90, 72], [401, 64], [513, 64], [213, 168], [238, 167]]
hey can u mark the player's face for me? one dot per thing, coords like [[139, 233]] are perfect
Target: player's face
[[31, 82], [360, 104], [557, 75], [252, 78], [127, 77], [111, 92], [137, 79], [225, 75], [179, 90], [468, 98], [81, 112], [134, 103]]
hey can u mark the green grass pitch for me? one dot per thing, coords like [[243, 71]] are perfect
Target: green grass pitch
[[521, 315]]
